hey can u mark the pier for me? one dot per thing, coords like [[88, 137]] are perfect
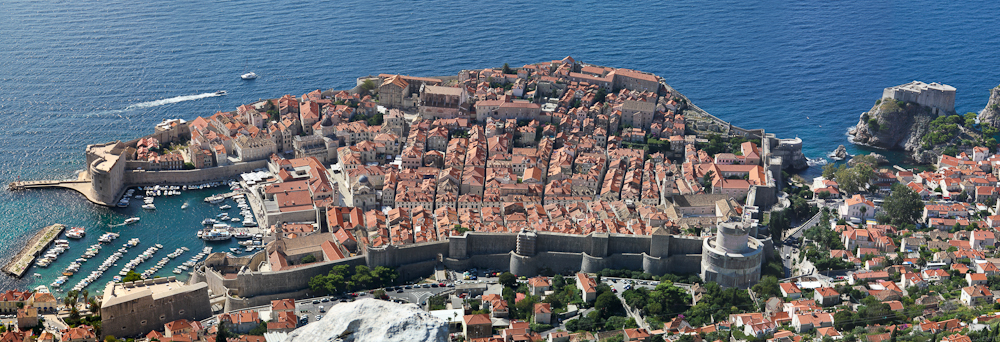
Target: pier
[[38, 243], [81, 185]]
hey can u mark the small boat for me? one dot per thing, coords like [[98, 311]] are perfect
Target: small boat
[[149, 206], [131, 220], [209, 222], [225, 207], [220, 93], [76, 233], [184, 206], [249, 76]]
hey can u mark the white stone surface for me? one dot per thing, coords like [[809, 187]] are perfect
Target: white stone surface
[[373, 320]]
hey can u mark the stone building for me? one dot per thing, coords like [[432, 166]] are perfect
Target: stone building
[[733, 258], [106, 167], [134, 308], [940, 97], [441, 102]]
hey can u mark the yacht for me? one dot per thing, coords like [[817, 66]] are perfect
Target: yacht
[[220, 93], [108, 237], [249, 76], [249, 223], [76, 233], [149, 206], [131, 220], [184, 206], [214, 234], [209, 222], [225, 207]]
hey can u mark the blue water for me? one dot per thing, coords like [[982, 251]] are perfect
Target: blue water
[[75, 73]]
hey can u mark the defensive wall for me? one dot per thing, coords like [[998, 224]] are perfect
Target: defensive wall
[[656, 254], [240, 278], [196, 176]]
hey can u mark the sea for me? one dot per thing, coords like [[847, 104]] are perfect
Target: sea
[[84, 72]]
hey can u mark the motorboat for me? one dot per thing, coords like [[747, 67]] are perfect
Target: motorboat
[[149, 206], [225, 207], [209, 222], [184, 206], [220, 93], [76, 233], [131, 220], [249, 76], [215, 234]]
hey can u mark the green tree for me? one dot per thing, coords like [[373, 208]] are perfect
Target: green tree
[[767, 287], [259, 330], [223, 334], [507, 69], [608, 304], [309, 258], [903, 205], [508, 279]]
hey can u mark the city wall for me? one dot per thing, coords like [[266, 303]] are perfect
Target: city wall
[[556, 252], [197, 176], [249, 283]]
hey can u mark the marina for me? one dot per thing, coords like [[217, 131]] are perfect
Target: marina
[[165, 225]]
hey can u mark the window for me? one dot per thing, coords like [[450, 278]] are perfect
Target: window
[[143, 322]]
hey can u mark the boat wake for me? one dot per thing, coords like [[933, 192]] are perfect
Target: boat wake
[[173, 100], [816, 161]]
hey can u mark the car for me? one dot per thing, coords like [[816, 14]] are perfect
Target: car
[[399, 291], [408, 287], [473, 277], [613, 280], [325, 300], [434, 285], [322, 309], [441, 284], [451, 285], [426, 286], [343, 300], [316, 301]]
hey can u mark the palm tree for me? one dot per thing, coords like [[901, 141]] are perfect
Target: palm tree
[[864, 210]]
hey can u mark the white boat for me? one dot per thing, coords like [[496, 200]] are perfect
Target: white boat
[[131, 220], [214, 234], [249, 223], [149, 206], [225, 207], [184, 206], [76, 233], [209, 222], [249, 76]]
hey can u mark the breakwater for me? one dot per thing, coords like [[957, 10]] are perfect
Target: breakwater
[[22, 261]]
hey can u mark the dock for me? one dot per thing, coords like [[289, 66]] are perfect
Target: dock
[[38, 243]]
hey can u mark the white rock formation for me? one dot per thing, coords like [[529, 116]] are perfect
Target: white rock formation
[[373, 320]]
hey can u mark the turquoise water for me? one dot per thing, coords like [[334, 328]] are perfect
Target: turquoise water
[[168, 225], [83, 72]]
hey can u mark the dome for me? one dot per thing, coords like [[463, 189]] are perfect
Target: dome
[[363, 179]]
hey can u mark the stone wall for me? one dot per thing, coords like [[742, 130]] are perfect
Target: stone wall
[[197, 176], [251, 283], [139, 315]]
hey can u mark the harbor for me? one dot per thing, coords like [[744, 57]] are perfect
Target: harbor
[[174, 224], [23, 260]]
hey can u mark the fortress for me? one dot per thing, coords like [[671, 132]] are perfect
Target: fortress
[[940, 97], [733, 259]]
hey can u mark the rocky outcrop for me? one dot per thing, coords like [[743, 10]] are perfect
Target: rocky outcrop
[[991, 114], [840, 153], [373, 320], [896, 125]]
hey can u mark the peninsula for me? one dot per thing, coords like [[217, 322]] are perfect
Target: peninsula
[[554, 167]]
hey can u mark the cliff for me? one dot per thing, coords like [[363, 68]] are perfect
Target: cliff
[[373, 320], [991, 114], [896, 125]]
